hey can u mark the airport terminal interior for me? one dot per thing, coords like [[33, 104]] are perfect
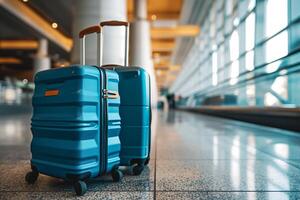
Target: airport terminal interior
[[225, 94]]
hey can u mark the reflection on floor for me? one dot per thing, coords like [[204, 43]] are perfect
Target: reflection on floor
[[193, 157]]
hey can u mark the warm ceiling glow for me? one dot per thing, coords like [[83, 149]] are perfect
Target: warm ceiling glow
[[156, 55], [62, 63], [163, 45], [18, 44], [10, 61], [25, 0], [54, 25], [31, 18], [172, 32], [153, 17], [158, 72]]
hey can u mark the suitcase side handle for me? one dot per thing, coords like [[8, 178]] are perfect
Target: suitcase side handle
[[82, 34], [109, 94], [126, 25]]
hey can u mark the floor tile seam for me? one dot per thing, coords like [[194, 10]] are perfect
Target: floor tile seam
[[181, 159], [222, 191], [184, 159], [61, 191], [213, 159], [162, 191]]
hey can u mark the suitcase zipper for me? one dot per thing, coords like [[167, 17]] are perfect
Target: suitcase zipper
[[103, 132], [104, 126]]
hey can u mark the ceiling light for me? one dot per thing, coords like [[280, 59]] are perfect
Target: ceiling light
[[153, 17], [54, 25], [156, 55], [25, 1], [25, 81]]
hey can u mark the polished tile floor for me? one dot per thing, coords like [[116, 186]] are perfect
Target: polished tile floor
[[193, 157]]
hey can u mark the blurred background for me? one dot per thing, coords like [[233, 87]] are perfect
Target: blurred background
[[200, 54], [236, 59]]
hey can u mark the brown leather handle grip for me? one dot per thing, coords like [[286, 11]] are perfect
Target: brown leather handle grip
[[89, 30], [114, 23], [112, 65]]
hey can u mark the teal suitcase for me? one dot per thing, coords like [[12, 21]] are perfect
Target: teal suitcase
[[135, 110], [76, 123]]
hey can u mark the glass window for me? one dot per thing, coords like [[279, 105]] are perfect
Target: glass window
[[221, 75], [276, 16], [234, 46], [250, 31], [242, 63], [229, 7], [215, 68], [221, 57], [227, 56], [278, 93], [228, 25], [280, 86], [277, 47], [245, 6], [295, 7], [239, 40], [251, 4], [242, 37], [220, 37], [242, 8], [294, 36], [250, 92], [250, 61], [220, 19], [260, 21], [234, 72], [213, 30], [219, 4], [270, 100]]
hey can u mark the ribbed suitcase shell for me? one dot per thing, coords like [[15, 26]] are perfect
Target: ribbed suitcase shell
[[135, 112], [68, 128]]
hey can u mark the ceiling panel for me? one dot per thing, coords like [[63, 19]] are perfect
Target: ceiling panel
[[61, 12]]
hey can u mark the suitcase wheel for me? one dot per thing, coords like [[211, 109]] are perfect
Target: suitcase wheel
[[117, 175], [138, 169], [31, 177], [80, 188]]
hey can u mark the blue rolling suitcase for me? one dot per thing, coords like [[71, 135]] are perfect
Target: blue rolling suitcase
[[76, 122], [135, 110]]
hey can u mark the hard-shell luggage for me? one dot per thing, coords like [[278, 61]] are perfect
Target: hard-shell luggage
[[76, 122], [135, 109], [135, 112]]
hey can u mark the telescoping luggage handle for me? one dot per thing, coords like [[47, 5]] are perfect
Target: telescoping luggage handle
[[95, 29], [82, 35], [126, 25]]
